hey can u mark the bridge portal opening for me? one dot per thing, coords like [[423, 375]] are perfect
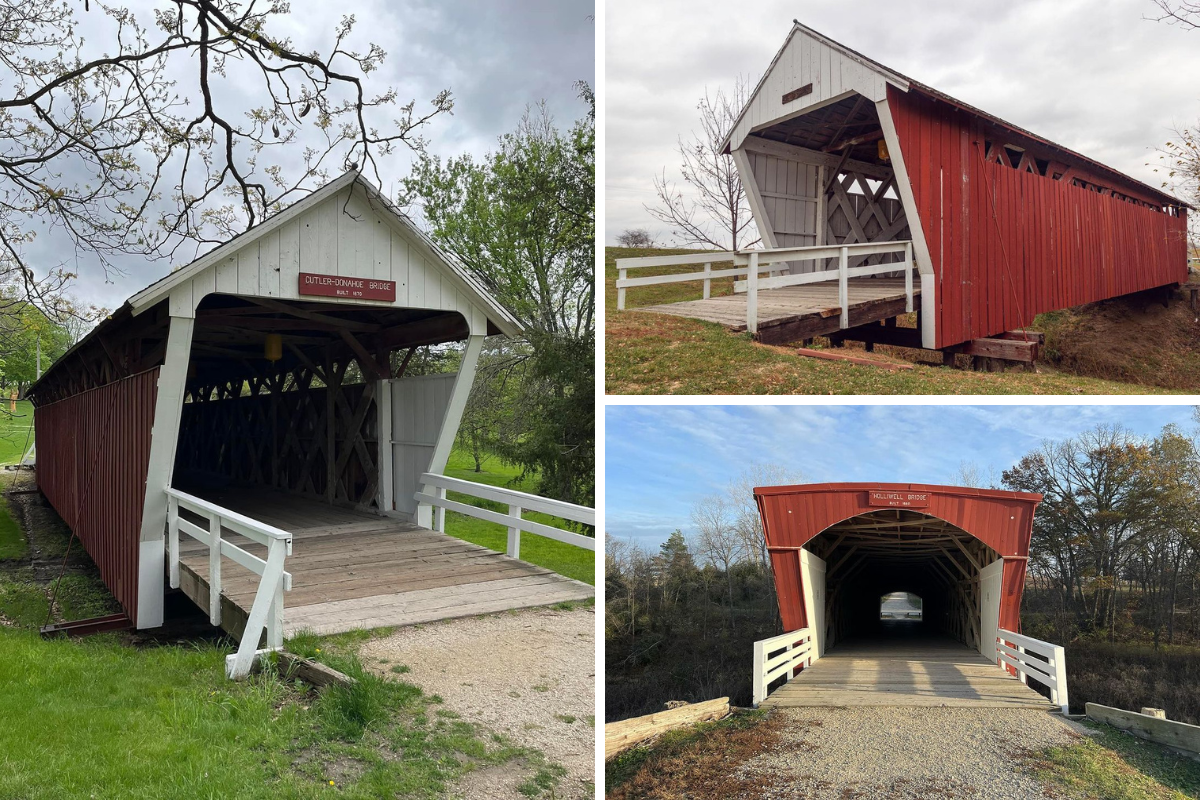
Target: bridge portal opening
[[898, 571], [900, 607]]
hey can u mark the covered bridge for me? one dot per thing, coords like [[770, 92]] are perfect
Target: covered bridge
[[850, 166], [838, 549], [258, 395]]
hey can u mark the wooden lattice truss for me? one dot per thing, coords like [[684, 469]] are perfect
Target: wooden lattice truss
[[307, 422], [929, 550], [865, 215]]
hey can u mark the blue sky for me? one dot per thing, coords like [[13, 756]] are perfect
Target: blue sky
[[659, 460]]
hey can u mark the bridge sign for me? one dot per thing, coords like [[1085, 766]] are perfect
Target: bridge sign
[[891, 499]]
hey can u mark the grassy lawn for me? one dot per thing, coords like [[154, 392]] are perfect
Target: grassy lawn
[[565, 559], [1116, 766], [94, 719], [658, 354], [15, 431], [12, 541]]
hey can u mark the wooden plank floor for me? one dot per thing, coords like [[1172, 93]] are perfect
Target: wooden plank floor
[[776, 306], [920, 671], [352, 569]]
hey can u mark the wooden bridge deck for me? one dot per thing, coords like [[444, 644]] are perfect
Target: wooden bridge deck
[[792, 313], [353, 569], [927, 671]]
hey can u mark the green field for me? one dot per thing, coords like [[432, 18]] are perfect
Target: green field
[[565, 559], [659, 354], [16, 431]]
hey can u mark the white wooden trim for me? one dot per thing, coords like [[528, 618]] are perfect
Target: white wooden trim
[[266, 612], [908, 200], [779, 656], [452, 418], [529, 502], [803, 155], [557, 534], [752, 294], [674, 261], [383, 407], [1012, 649], [164, 438], [763, 222]]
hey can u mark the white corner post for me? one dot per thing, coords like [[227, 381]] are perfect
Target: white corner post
[[168, 407], [707, 280], [383, 406], [622, 274], [752, 294], [453, 418], [514, 533], [916, 232], [844, 286]]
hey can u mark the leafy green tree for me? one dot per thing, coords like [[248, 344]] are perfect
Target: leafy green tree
[[522, 220]]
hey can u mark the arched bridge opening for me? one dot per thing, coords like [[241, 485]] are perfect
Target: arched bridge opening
[[900, 551], [841, 552]]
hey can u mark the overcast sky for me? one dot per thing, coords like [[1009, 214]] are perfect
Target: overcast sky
[[660, 460], [1092, 75], [497, 58]]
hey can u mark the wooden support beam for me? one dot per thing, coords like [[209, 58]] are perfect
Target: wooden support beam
[[284, 308], [365, 360], [854, 141]]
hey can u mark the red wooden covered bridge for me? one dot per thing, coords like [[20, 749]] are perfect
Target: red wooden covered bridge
[[244, 427], [838, 549], [876, 195]]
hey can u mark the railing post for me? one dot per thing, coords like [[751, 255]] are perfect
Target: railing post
[[1021, 673], [514, 532], [844, 286], [760, 685], [275, 614], [1058, 692], [622, 274], [173, 539], [707, 280], [214, 570], [908, 277], [439, 512], [752, 295]]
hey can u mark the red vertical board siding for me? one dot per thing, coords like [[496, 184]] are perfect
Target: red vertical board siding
[[93, 451], [1009, 245], [794, 515]]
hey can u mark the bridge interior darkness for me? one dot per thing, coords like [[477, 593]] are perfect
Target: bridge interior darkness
[[900, 550]]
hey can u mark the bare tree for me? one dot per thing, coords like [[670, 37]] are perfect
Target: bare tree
[[715, 212], [741, 496], [635, 237], [970, 474], [1185, 13], [136, 139], [1182, 154]]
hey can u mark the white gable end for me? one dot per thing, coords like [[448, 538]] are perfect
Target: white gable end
[[348, 234], [808, 59]]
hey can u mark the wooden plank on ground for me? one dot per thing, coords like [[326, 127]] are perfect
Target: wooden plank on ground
[[619, 736], [1168, 732]]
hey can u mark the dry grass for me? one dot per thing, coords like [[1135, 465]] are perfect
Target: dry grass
[[698, 763], [1131, 676]]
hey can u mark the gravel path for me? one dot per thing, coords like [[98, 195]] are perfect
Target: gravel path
[[529, 675], [891, 752]]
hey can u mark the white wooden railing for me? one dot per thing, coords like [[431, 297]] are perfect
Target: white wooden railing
[[434, 493], [756, 259], [267, 609], [1014, 649], [779, 656], [750, 264], [625, 264]]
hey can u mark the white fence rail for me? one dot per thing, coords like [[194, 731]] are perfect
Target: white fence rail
[[843, 273], [750, 264], [779, 656], [625, 264], [434, 493], [1014, 649], [267, 609]]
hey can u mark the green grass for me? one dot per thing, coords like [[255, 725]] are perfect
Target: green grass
[[91, 718], [12, 541], [659, 354], [1116, 766], [565, 559], [16, 432]]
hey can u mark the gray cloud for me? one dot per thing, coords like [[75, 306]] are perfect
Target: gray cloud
[[497, 58], [1093, 75]]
